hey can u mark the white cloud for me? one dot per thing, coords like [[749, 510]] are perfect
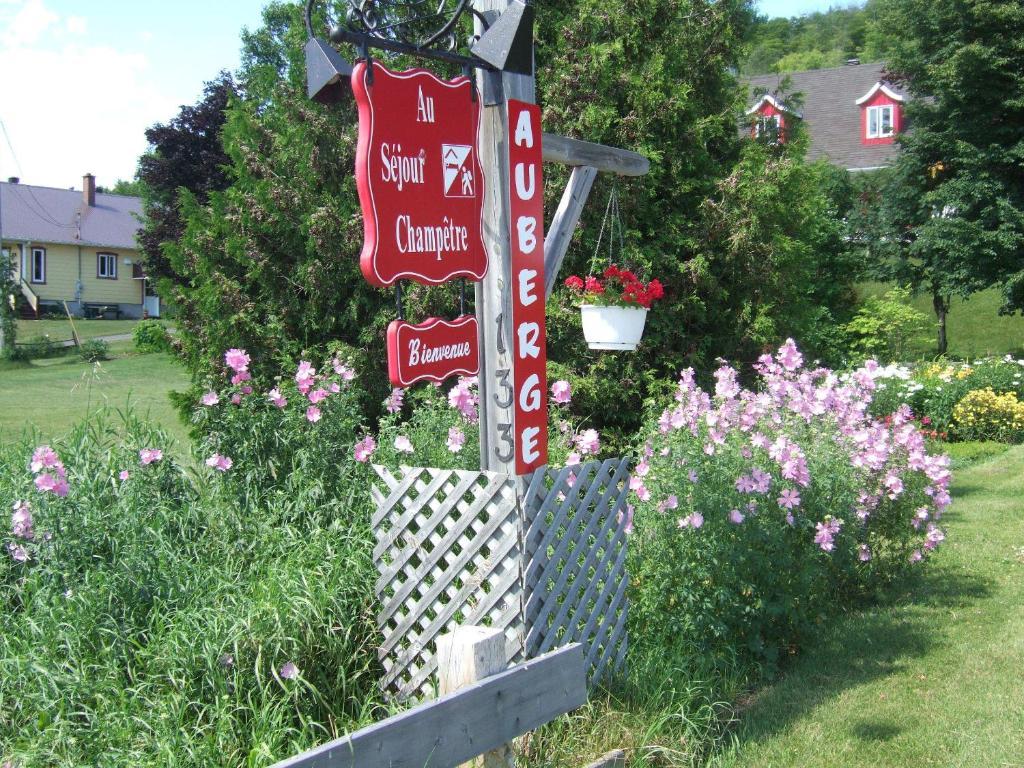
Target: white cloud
[[72, 106], [30, 22], [76, 25]]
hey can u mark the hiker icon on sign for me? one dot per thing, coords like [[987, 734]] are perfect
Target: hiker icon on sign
[[457, 161]]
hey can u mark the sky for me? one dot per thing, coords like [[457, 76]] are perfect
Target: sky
[[81, 80]]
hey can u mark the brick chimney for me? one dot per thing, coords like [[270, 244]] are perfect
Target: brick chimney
[[89, 190]]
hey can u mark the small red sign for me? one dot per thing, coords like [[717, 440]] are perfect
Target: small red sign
[[419, 179], [433, 350], [529, 345]]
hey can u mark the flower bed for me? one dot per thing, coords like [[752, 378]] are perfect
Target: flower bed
[[950, 398], [759, 511]]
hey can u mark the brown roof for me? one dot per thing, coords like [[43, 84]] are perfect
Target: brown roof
[[49, 215], [830, 112]]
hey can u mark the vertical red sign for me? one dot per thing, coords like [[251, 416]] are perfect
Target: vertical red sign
[[526, 209]]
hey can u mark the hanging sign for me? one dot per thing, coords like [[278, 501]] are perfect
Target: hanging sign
[[433, 350], [419, 179], [529, 344]]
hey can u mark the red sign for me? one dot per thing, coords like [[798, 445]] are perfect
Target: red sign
[[419, 179], [529, 344], [433, 350]]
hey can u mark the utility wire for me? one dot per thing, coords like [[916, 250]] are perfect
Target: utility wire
[[39, 209]]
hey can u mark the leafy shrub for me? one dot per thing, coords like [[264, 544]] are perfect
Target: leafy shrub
[[147, 614], [307, 424], [985, 415], [94, 350], [760, 512], [151, 336], [886, 326]]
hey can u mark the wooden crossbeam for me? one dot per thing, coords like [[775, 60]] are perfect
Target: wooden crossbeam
[[461, 725], [623, 162]]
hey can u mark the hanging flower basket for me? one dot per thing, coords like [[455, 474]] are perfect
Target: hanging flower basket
[[613, 327], [614, 307]]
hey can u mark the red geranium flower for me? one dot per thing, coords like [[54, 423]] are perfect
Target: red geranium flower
[[575, 282]]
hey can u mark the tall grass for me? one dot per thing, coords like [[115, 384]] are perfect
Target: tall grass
[[152, 629]]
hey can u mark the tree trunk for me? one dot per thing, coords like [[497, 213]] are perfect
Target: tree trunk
[[941, 305]]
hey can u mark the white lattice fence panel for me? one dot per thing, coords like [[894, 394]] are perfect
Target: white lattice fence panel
[[575, 578], [448, 552]]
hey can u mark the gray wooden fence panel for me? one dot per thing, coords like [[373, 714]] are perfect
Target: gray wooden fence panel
[[575, 579], [448, 553], [459, 726]]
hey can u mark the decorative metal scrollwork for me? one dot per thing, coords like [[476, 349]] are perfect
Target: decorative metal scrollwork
[[416, 23]]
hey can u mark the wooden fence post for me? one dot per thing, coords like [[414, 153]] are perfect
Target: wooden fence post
[[468, 655]]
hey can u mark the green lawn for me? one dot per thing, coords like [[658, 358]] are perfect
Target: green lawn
[[933, 680], [974, 327], [60, 330], [52, 395]]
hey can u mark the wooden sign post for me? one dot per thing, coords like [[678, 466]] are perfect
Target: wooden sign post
[[498, 444]]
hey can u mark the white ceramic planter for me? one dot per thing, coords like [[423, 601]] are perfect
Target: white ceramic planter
[[613, 327]]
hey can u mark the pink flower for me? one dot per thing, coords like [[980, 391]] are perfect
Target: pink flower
[[313, 414], [789, 499], [403, 444], [123, 474], [44, 457], [736, 517], [456, 439], [364, 449], [826, 533], [561, 392], [276, 398], [864, 553], [394, 401], [246, 390], [628, 527], [304, 376], [236, 399], [17, 552], [463, 398], [588, 442], [343, 370], [317, 395], [219, 463], [239, 377], [150, 455], [289, 671], [790, 356], [916, 556], [237, 360], [696, 520], [573, 458], [672, 502], [21, 521], [210, 398]]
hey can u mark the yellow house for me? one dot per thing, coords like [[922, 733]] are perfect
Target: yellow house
[[76, 247]]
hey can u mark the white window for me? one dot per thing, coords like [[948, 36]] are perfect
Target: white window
[[38, 265], [106, 266], [768, 127], [880, 122]]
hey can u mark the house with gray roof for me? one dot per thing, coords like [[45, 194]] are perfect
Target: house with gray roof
[[851, 113], [76, 247]]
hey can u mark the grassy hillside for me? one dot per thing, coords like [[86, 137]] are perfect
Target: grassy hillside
[[974, 327], [52, 395]]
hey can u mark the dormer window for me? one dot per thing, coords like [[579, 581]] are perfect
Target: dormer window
[[768, 127], [880, 123], [881, 115], [769, 117]]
